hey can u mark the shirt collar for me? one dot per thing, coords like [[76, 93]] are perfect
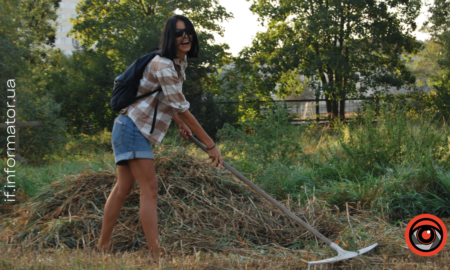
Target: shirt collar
[[180, 62]]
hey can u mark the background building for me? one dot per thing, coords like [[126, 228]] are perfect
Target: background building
[[66, 10]]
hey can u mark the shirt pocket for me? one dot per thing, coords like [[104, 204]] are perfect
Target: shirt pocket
[[118, 132]]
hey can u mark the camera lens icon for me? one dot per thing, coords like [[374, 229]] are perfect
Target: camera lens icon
[[426, 235]]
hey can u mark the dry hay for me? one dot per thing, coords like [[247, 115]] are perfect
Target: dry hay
[[199, 208]]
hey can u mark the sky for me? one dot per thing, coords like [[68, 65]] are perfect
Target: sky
[[240, 30]]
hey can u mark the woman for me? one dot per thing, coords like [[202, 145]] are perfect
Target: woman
[[133, 130]]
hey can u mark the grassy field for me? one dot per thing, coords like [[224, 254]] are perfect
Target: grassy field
[[398, 166], [357, 183]]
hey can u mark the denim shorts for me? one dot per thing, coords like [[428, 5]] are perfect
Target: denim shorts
[[128, 142]]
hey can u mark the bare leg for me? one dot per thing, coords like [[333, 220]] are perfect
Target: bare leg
[[144, 172], [122, 188]]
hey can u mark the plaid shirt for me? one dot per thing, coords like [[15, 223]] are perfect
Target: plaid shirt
[[160, 72]]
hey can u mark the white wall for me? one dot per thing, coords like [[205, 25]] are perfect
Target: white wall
[[66, 10]]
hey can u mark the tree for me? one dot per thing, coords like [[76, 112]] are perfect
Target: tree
[[81, 82], [26, 26], [331, 40], [124, 30], [427, 67], [438, 25], [26, 37]]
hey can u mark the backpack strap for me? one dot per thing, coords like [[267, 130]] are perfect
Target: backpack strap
[[159, 90], [148, 94], [154, 113]]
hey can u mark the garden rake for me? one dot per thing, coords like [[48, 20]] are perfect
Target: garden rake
[[342, 254]]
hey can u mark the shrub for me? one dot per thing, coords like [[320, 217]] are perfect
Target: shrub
[[269, 147], [37, 142], [365, 146]]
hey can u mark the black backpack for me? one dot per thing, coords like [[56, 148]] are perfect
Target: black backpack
[[126, 85]]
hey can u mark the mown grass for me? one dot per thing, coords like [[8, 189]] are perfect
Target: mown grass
[[82, 259]]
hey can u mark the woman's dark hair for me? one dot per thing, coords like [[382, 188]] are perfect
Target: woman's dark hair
[[167, 43]]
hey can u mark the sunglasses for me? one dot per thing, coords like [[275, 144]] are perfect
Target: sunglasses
[[179, 32]]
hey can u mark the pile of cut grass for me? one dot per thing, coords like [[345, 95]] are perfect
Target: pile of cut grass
[[200, 208]]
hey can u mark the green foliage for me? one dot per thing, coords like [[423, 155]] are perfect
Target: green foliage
[[332, 41], [439, 21], [439, 27], [427, 67], [35, 104], [398, 165], [266, 146], [83, 145], [125, 30], [213, 115], [265, 140], [395, 138], [82, 84], [242, 83], [39, 142], [28, 25], [407, 191], [369, 192], [440, 97], [11, 58], [130, 28], [424, 188]]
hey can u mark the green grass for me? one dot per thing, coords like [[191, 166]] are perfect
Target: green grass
[[81, 153], [32, 178], [399, 166]]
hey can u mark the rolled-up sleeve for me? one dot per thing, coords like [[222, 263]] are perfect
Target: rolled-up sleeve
[[171, 86]]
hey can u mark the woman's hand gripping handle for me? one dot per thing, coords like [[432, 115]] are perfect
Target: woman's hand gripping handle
[[213, 152]]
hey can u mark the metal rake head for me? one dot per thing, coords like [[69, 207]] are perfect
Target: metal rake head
[[342, 254]]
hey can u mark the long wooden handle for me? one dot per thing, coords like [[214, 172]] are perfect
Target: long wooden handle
[[265, 195]]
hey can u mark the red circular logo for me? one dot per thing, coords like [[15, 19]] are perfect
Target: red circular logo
[[426, 235]]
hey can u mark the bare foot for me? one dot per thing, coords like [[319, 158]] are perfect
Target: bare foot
[[104, 249], [155, 261]]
